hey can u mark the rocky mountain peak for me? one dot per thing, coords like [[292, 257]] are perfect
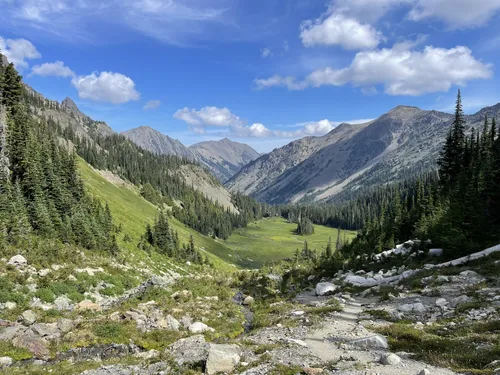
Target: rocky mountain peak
[[403, 110], [70, 105]]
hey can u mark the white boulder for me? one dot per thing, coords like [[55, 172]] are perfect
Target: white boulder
[[222, 358], [325, 289], [199, 327], [18, 261]]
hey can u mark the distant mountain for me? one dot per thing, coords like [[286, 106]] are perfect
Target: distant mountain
[[223, 158], [400, 143], [154, 141]]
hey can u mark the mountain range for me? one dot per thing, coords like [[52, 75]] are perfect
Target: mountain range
[[223, 158], [401, 143]]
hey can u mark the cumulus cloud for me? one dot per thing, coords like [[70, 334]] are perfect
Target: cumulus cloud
[[208, 116], [456, 13], [108, 87], [151, 104], [265, 52], [400, 71], [18, 51], [56, 69], [337, 29]]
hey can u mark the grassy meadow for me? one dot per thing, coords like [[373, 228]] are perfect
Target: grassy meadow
[[261, 242], [274, 238]]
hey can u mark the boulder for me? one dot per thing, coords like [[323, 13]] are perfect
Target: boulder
[[87, 305], [441, 302], [186, 321], [199, 327], [48, 330], [373, 342], [62, 303], [248, 301], [169, 323], [8, 333], [390, 359], [28, 317], [18, 261], [413, 307], [222, 358], [424, 372], [325, 289], [65, 325], [33, 343], [6, 362], [190, 351]]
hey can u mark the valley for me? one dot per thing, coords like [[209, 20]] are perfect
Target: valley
[[131, 254]]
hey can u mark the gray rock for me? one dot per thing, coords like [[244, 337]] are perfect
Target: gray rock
[[374, 342], [8, 333], [435, 252], [150, 354], [199, 327], [62, 303], [10, 305], [28, 317], [413, 307], [48, 330], [186, 321], [191, 351], [325, 289], [65, 325], [459, 300], [6, 362], [18, 261], [222, 358], [424, 372], [169, 323], [390, 359], [441, 302]]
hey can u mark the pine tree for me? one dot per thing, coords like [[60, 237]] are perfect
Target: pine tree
[[328, 250]]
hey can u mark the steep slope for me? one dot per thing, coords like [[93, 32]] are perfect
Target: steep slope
[[403, 142], [154, 141], [225, 157], [257, 176]]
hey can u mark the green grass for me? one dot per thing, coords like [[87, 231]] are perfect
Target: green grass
[[272, 239], [133, 212]]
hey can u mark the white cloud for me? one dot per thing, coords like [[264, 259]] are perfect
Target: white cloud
[[18, 51], [456, 13], [208, 116], [57, 69], [265, 52], [151, 104], [337, 29], [108, 87], [400, 71]]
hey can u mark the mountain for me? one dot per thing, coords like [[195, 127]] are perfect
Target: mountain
[[154, 141], [223, 158], [403, 142]]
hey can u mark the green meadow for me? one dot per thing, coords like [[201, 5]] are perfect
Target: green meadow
[[261, 242]]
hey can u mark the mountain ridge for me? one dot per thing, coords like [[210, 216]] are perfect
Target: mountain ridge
[[402, 141], [223, 158]]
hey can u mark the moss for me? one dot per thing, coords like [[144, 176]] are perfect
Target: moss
[[17, 354], [379, 314], [46, 295]]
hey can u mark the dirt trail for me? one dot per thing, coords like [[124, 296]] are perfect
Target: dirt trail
[[331, 343]]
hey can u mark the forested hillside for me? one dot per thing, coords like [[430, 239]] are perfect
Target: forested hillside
[[41, 190]]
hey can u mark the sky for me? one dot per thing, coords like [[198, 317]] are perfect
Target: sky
[[261, 72]]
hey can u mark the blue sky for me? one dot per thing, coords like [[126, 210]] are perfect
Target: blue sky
[[263, 72]]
